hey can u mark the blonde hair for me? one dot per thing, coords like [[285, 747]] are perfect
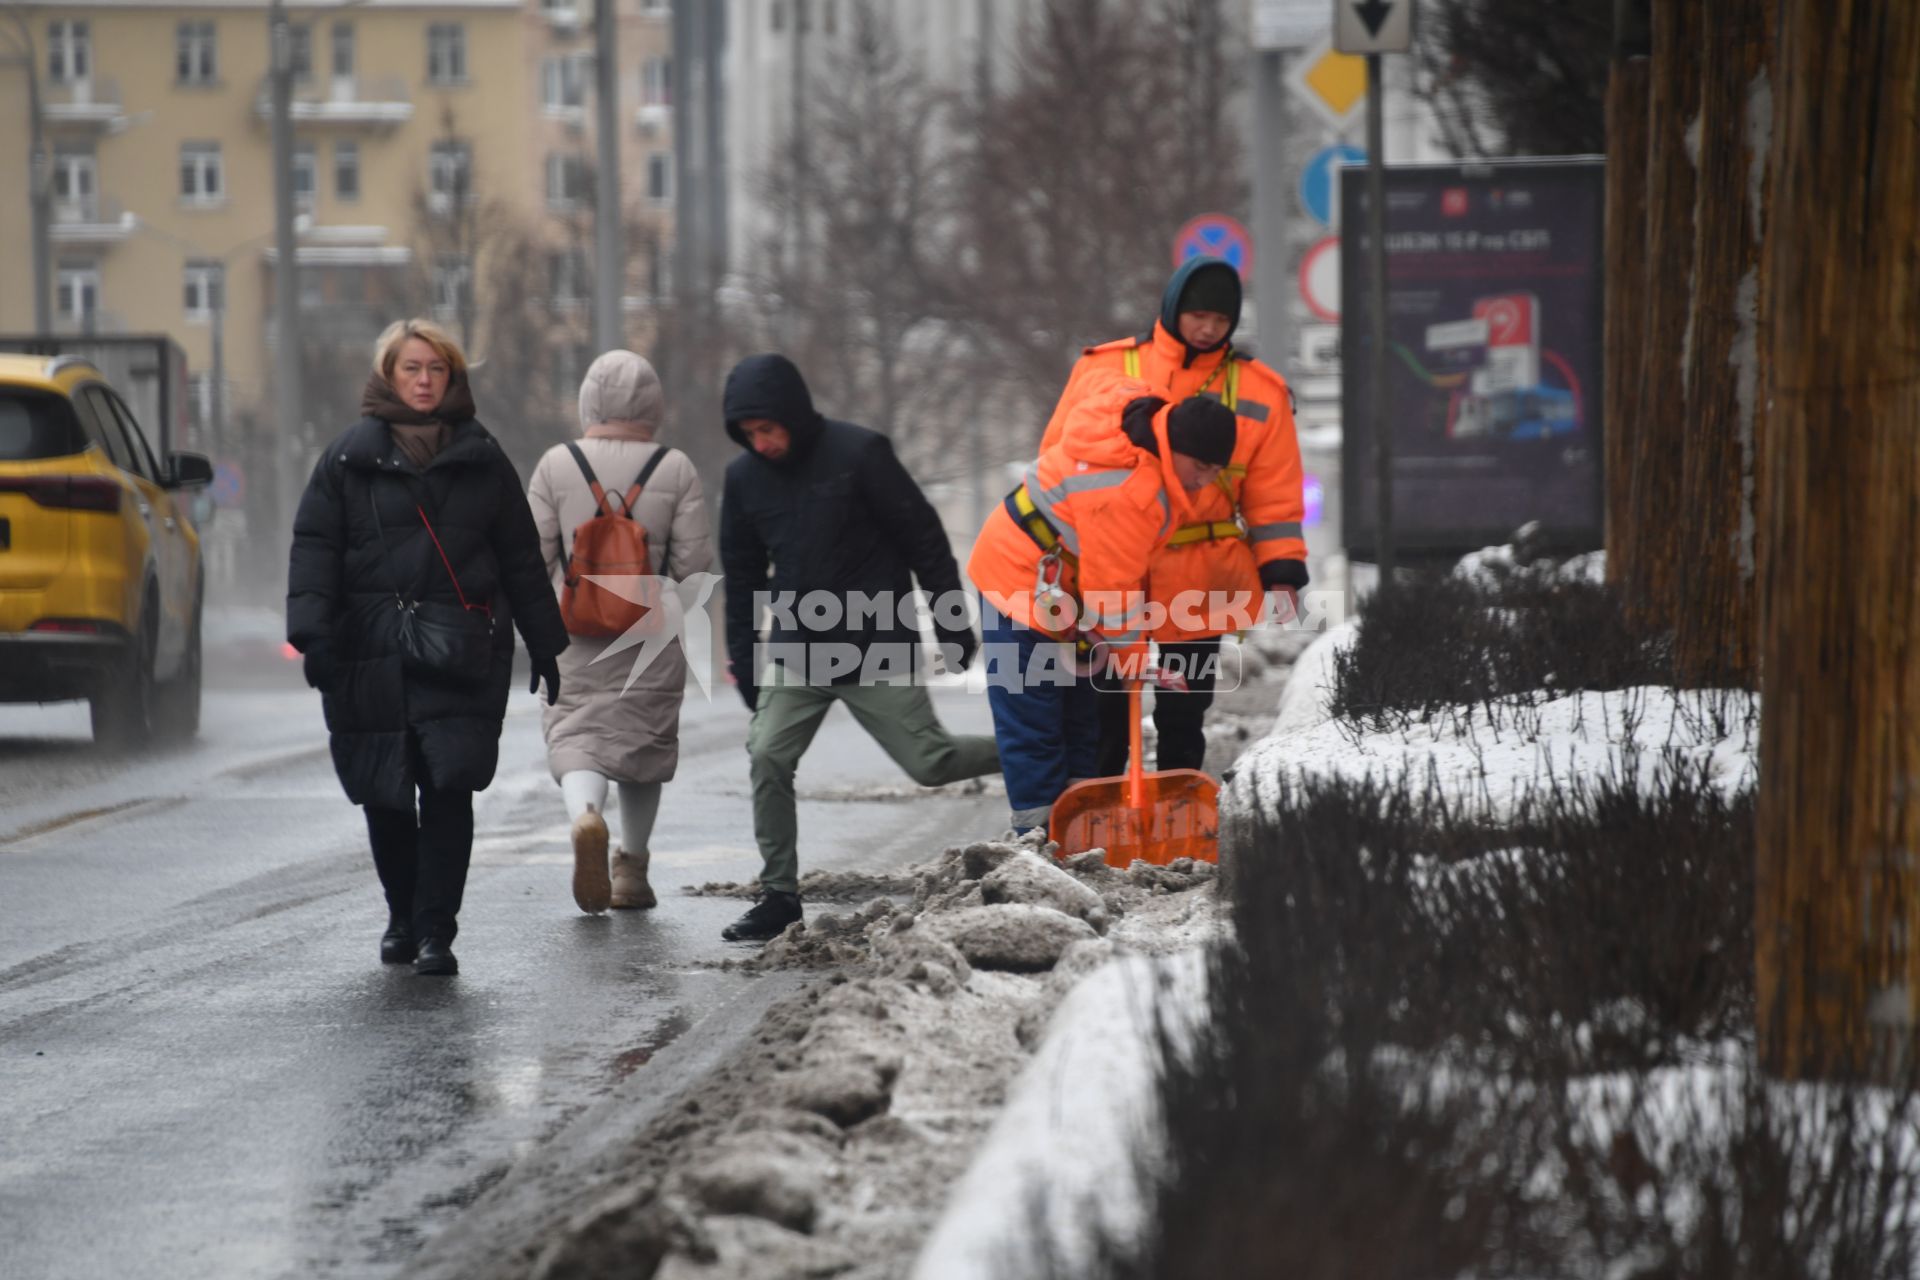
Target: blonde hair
[[386, 351]]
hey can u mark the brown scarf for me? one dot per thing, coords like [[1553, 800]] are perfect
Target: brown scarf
[[418, 435]]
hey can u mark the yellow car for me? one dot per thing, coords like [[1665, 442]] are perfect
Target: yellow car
[[100, 579]]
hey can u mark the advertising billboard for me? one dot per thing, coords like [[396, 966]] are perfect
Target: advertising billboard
[[1493, 355]]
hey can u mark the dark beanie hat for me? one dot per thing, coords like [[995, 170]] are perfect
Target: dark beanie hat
[[1203, 429], [1214, 287]]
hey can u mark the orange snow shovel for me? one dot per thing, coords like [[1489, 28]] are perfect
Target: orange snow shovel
[[1156, 817]]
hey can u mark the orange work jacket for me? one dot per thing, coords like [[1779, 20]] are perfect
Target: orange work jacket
[[1107, 502], [1207, 580]]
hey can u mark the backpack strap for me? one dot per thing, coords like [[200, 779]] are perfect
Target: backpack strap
[[640, 481], [593, 481]]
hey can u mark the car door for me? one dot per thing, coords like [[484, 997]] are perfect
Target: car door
[[155, 506], [97, 421], [179, 555]]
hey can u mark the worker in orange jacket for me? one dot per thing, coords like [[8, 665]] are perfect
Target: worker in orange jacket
[[1062, 565], [1243, 540]]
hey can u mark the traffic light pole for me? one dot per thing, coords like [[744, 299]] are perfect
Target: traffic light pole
[[1381, 425]]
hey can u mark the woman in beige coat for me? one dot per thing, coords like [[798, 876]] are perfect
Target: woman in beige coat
[[597, 734]]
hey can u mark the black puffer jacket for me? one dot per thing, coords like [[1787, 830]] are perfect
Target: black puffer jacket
[[838, 514], [340, 596]]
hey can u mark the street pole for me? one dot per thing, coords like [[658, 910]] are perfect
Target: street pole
[[609, 287], [286, 285], [39, 183], [1377, 315], [217, 411]]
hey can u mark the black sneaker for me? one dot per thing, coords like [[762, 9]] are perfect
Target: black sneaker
[[436, 959], [767, 918], [396, 944]]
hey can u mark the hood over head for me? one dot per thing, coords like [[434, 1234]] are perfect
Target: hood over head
[[621, 389], [1202, 284], [770, 387]]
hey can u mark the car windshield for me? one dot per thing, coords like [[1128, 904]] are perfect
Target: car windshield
[[35, 425]]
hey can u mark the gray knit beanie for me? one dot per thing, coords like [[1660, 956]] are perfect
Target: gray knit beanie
[[622, 388]]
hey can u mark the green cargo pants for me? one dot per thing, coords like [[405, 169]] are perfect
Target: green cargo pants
[[901, 720]]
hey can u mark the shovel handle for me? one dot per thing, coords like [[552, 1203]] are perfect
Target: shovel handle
[[1136, 771]]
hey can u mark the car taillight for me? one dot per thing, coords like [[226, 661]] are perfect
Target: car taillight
[[69, 626], [73, 493]]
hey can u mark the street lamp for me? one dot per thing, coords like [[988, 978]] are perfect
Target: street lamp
[[39, 192]]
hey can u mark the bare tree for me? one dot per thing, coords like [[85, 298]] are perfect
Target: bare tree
[[1516, 77]]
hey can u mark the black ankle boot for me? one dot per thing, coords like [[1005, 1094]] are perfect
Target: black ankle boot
[[767, 918], [436, 959], [396, 944]]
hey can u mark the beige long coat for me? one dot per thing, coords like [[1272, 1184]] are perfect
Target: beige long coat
[[632, 736]]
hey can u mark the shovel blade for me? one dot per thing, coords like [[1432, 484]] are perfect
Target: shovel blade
[[1178, 817]]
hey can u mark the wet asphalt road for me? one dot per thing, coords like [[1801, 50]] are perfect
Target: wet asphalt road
[[204, 1071]]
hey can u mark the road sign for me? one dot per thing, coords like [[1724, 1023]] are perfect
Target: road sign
[[1373, 26], [1320, 279], [1289, 24], [1215, 235], [1330, 82], [1317, 185], [1319, 348]]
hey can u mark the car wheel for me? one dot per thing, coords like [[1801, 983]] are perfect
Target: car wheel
[[178, 702], [123, 707]]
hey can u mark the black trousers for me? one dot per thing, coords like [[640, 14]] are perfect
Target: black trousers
[[423, 860], [1179, 718]]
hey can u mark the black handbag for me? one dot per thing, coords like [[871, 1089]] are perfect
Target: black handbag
[[443, 641]]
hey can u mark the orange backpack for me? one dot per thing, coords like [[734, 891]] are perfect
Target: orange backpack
[[610, 544]]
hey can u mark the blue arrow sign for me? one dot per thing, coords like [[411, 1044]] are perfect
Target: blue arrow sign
[[1317, 179]]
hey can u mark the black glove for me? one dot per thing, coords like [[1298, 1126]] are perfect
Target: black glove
[[1137, 420], [749, 692], [964, 640], [545, 667], [316, 664]]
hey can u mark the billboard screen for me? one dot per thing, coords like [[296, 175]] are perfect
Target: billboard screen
[[1493, 354]]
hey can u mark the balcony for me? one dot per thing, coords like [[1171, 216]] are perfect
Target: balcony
[[90, 221], [651, 117], [93, 103], [352, 102]]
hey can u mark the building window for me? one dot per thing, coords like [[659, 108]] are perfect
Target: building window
[[777, 15], [452, 287], [76, 186], [69, 51], [656, 8], [76, 292], [449, 175], [205, 289], [563, 83], [660, 176], [656, 82], [568, 182], [195, 59], [567, 276], [306, 174], [569, 367], [300, 45], [446, 53], [346, 171], [342, 44], [202, 176]]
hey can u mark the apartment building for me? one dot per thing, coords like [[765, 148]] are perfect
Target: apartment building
[[157, 120]]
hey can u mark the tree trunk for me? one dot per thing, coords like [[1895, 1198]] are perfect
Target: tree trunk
[[1839, 804], [1714, 633], [1626, 295]]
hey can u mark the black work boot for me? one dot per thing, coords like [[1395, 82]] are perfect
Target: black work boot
[[436, 959], [396, 944], [767, 918]]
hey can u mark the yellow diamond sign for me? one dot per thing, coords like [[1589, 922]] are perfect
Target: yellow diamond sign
[[1333, 83]]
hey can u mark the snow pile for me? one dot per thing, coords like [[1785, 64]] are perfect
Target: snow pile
[[830, 1147]]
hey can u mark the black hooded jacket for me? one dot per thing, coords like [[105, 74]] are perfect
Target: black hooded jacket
[[838, 514], [341, 585]]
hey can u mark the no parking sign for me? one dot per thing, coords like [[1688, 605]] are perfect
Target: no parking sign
[[1215, 235]]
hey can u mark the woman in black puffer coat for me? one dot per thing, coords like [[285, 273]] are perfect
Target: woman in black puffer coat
[[453, 527]]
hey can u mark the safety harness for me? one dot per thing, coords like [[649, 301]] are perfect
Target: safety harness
[[1209, 531]]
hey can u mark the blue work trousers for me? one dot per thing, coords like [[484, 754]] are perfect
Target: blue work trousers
[[1047, 727]]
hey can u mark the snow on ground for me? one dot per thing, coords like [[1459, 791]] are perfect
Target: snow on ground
[[1503, 751]]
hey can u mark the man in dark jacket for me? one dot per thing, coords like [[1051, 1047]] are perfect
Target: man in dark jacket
[[844, 529]]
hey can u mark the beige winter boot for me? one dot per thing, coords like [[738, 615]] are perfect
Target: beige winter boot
[[590, 886], [630, 887]]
